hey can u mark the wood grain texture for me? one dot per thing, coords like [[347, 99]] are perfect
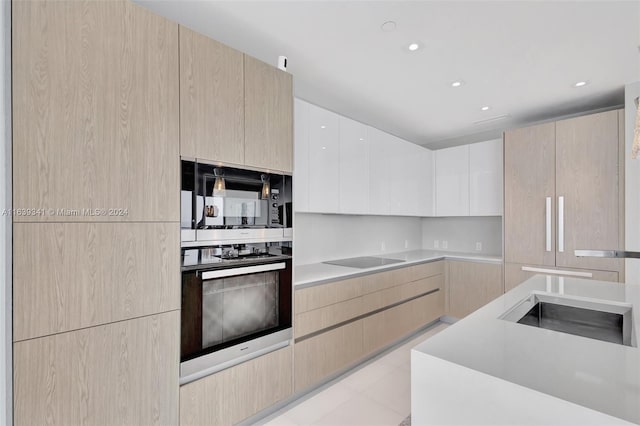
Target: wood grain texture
[[383, 298], [472, 285], [74, 275], [228, 397], [321, 318], [307, 299], [124, 373], [211, 99], [320, 356], [95, 110], [268, 103], [388, 326], [621, 189], [514, 275], [529, 177], [588, 176]]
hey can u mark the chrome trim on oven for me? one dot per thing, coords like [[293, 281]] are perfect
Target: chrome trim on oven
[[232, 272], [205, 365]]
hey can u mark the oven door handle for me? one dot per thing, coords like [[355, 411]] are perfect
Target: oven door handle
[[232, 272]]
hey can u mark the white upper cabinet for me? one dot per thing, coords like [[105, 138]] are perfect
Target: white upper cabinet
[[452, 181], [354, 167], [324, 160], [380, 150], [485, 178], [424, 163], [301, 155]]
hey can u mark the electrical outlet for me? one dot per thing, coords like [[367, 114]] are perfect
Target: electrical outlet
[[436, 244], [406, 244], [445, 244], [478, 246]]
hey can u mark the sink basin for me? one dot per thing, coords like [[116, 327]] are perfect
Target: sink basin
[[595, 319], [364, 262]]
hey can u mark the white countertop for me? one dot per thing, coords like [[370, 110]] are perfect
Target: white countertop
[[320, 273], [601, 376]]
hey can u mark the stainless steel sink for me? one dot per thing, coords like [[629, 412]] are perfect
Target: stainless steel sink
[[595, 319], [364, 262]]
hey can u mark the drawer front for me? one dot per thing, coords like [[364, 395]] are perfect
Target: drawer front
[[310, 298], [390, 325], [514, 275], [318, 357], [318, 319], [383, 298]]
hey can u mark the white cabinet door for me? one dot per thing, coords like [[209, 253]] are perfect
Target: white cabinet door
[[354, 167], [485, 178], [452, 181], [301, 156], [426, 180], [324, 160], [379, 171], [402, 195]]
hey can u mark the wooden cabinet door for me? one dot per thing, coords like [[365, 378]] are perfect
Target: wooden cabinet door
[[211, 99], [485, 178], [95, 111], [268, 103], [239, 392], [124, 373], [529, 181], [452, 181], [354, 167], [472, 285], [588, 182]]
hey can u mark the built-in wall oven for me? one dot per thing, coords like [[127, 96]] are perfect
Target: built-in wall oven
[[236, 267]]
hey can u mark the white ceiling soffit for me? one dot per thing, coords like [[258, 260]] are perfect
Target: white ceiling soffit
[[521, 58]]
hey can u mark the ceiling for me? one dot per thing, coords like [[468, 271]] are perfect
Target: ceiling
[[520, 58]]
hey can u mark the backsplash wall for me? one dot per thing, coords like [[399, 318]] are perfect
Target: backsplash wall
[[462, 234], [320, 237]]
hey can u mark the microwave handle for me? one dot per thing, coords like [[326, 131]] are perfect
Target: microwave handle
[[231, 272]]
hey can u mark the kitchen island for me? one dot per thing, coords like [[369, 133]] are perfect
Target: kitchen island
[[489, 370]]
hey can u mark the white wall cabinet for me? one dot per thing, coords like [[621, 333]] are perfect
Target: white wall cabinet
[[301, 155], [485, 178], [324, 160], [452, 181], [469, 180], [354, 167], [380, 186]]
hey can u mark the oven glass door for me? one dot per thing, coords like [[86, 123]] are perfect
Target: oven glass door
[[226, 307]]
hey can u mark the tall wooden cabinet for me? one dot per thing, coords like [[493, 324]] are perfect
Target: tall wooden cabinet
[[563, 192], [96, 160]]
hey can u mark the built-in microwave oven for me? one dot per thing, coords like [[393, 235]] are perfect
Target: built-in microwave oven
[[220, 203]]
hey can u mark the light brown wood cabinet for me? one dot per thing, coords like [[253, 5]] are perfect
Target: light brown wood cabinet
[[337, 324], [125, 373], [472, 285], [95, 123], [514, 274], [76, 275], [564, 191], [234, 394], [268, 100], [211, 99]]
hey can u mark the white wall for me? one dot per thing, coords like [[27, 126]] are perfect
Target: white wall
[[462, 234], [632, 186], [320, 237], [5, 221]]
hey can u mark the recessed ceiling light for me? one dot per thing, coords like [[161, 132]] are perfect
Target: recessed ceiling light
[[361, 139], [414, 46], [581, 83], [323, 127], [485, 108], [457, 83], [388, 26], [324, 147]]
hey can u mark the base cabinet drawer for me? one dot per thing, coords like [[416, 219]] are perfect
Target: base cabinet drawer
[[320, 356], [237, 393], [516, 273], [390, 325]]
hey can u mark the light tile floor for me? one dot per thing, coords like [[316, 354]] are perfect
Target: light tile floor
[[379, 393]]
